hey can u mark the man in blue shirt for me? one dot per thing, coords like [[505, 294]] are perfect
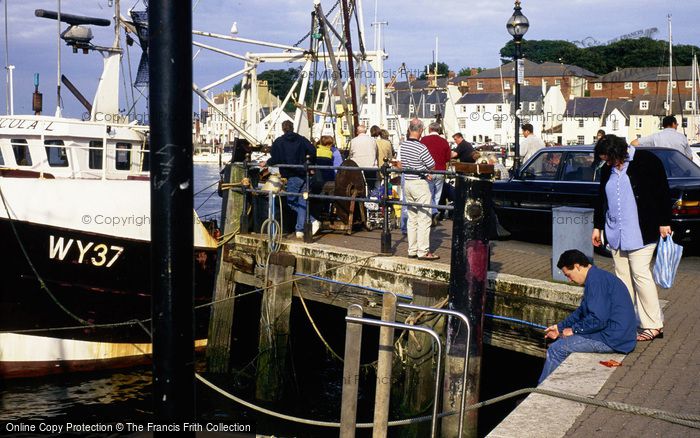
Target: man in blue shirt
[[605, 322]]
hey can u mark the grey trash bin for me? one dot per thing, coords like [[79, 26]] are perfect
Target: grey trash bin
[[571, 229]]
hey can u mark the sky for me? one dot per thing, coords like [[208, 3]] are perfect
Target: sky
[[470, 34]]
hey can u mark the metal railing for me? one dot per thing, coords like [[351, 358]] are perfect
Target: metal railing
[[384, 201]]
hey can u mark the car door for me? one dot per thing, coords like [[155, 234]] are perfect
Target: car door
[[526, 200]]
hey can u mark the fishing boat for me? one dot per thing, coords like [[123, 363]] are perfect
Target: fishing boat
[[75, 226]]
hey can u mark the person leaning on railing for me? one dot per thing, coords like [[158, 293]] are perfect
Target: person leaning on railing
[[292, 148]]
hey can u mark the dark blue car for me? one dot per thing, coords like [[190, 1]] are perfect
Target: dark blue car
[[568, 176]]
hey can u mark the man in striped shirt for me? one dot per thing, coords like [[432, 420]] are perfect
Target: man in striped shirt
[[415, 156]]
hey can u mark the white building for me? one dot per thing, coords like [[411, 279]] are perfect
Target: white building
[[483, 118], [583, 118]]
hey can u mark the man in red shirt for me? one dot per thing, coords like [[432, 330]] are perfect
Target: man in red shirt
[[440, 151]]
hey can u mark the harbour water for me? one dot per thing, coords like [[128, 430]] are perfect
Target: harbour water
[[314, 387]]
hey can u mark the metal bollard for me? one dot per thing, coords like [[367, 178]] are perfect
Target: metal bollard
[[308, 235], [386, 232]]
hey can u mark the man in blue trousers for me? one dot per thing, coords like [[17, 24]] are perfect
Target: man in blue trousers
[[605, 322]]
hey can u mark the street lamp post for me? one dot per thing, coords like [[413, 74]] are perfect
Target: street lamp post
[[517, 26]]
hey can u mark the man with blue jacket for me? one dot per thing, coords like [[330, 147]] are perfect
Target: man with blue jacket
[[605, 322]]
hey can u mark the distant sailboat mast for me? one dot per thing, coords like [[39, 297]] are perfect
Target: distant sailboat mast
[[669, 87], [9, 88]]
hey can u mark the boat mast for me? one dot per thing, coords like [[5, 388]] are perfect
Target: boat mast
[[351, 67], [58, 69], [669, 87]]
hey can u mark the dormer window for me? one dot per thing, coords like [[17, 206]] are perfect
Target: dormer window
[[628, 85], [644, 105], [533, 106], [432, 107], [643, 85]]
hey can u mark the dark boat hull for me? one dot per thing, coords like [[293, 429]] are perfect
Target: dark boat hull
[[93, 278]]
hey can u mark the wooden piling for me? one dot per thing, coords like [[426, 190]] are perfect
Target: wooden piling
[[221, 321], [419, 376], [384, 365], [467, 292], [274, 327], [351, 374]]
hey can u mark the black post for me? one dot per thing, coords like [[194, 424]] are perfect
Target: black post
[[172, 235], [308, 235], [518, 56], [467, 293], [386, 232], [244, 213]]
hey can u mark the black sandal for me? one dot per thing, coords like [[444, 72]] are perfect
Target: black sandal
[[650, 335]]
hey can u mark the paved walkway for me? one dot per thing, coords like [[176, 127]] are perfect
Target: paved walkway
[[663, 374]]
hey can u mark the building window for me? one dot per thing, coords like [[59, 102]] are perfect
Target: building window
[[597, 85], [56, 153], [498, 123], [506, 85], [463, 108], [411, 109], [432, 107], [21, 151], [628, 85], [533, 106], [557, 82], [644, 105], [391, 124], [673, 84], [666, 105], [638, 123], [642, 85], [479, 85], [689, 105], [615, 125], [526, 82], [688, 84], [474, 139], [497, 138], [499, 108], [580, 139], [345, 125], [462, 123], [580, 123]]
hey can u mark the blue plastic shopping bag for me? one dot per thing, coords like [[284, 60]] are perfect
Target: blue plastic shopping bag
[[668, 257]]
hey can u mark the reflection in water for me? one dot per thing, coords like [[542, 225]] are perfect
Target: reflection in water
[[40, 399]]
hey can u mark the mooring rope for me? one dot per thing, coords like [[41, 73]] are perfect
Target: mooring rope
[[688, 420]]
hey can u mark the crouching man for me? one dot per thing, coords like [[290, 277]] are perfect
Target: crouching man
[[605, 322]]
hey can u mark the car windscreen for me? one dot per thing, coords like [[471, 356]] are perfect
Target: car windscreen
[[676, 164]]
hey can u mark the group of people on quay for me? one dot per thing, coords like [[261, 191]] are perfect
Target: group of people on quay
[[616, 311]]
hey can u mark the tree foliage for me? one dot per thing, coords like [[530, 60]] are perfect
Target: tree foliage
[[442, 68], [641, 52], [467, 71]]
